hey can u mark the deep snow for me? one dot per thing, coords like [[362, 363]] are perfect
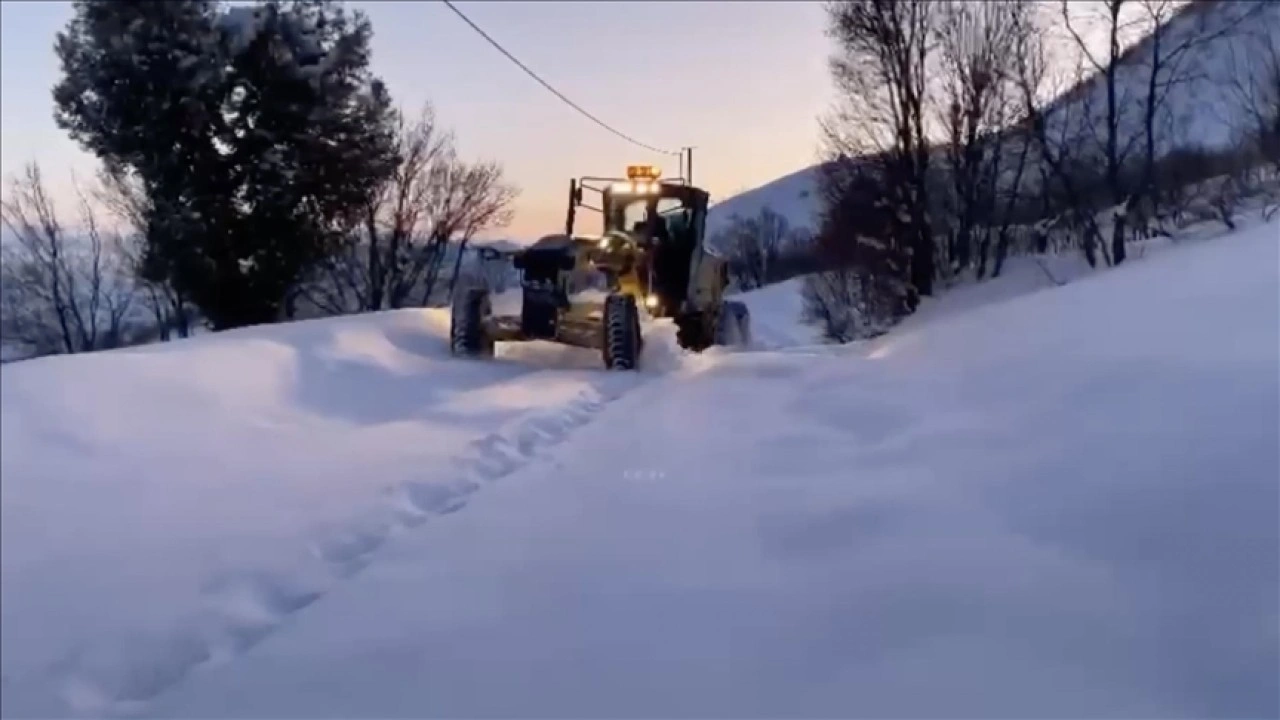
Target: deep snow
[[1060, 504]]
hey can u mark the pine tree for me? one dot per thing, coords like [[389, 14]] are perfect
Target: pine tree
[[257, 132]]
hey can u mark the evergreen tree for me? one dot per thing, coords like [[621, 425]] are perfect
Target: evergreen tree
[[258, 134]]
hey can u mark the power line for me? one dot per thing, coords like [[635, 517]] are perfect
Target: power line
[[554, 91]]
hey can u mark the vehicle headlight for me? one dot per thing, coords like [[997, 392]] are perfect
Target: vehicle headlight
[[651, 301]]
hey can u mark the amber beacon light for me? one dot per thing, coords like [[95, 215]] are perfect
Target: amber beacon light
[[643, 172]]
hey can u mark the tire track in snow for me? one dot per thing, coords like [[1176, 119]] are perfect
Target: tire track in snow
[[244, 608]]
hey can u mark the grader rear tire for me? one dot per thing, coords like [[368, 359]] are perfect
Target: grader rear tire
[[467, 334], [622, 340]]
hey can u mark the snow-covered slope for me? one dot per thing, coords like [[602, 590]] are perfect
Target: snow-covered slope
[[1209, 94], [793, 196], [776, 316], [1064, 500], [1209, 91]]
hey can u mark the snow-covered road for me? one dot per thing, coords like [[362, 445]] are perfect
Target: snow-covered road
[[1063, 504]]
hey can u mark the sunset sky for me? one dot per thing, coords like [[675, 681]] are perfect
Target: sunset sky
[[743, 82]]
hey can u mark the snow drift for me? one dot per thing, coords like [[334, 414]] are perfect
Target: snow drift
[[1061, 503]]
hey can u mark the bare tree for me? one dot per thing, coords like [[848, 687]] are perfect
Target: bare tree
[[59, 292], [1254, 90], [879, 129], [471, 198], [1162, 74], [978, 43], [1024, 74], [1054, 134], [434, 199], [757, 246], [1115, 27], [376, 256], [1165, 51], [1168, 67], [1012, 196], [125, 198]]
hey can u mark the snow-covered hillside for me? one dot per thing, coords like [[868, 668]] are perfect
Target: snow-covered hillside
[[795, 197], [1061, 500], [1230, 44], [1203, 93]]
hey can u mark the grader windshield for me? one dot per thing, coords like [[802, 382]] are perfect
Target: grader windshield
[[642, 206], [646, 217]]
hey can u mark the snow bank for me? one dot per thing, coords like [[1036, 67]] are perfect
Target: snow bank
[[777, 316]]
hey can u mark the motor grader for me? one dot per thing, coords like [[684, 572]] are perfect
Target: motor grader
[[589, 290]]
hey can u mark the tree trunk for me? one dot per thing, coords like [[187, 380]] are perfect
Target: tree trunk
[[1118, 230], [457, 266], [922, 262], [1113, 132], [1002, 251]]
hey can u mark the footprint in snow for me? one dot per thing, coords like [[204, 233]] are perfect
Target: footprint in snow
[[114, 677], [349, 552], [439, 498], [242, 609], [245, 609], [256, 599]]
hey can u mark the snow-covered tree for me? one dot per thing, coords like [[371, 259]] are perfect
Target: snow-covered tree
[[258, 134]]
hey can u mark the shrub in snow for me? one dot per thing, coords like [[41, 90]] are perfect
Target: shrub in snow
[[849, 304]]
